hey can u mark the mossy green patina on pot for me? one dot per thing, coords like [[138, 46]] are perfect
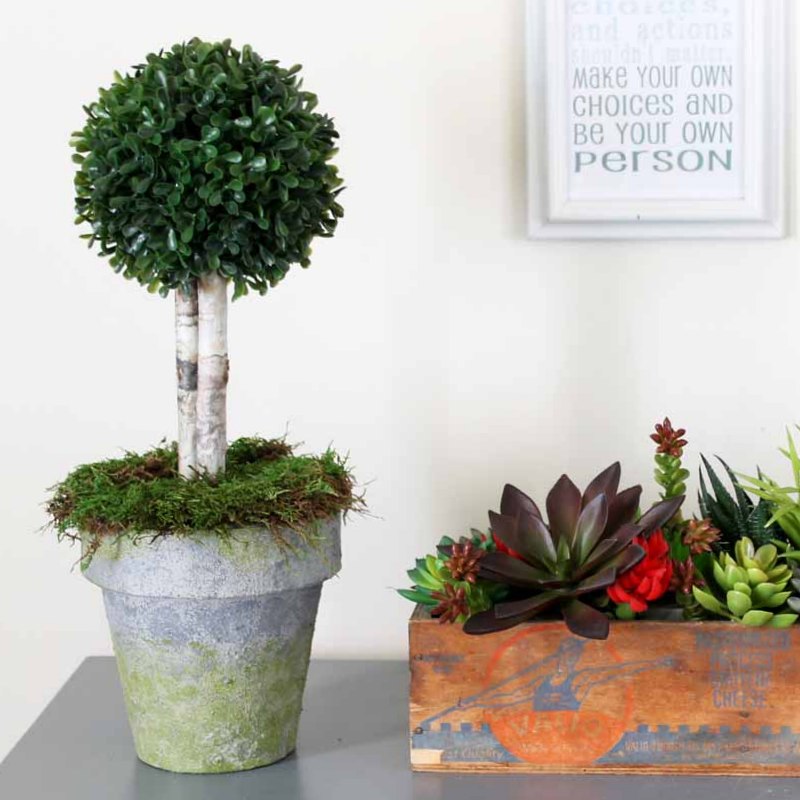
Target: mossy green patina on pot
[[212, 639], [211, 708]]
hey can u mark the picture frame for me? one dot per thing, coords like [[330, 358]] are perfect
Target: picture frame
[[684, 112]]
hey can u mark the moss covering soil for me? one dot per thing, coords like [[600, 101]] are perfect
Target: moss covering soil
[[141, 496]]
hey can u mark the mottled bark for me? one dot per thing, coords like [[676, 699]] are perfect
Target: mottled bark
[[186, 366], [212, 374]]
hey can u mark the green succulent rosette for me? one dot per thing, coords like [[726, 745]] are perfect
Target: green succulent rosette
[[751, 588]]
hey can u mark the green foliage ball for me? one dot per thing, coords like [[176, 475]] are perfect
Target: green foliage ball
[[206, 159]]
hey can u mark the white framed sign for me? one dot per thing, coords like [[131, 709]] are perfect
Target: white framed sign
[[657, 118]]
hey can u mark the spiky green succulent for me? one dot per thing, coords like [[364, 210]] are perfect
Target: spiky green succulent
[[436, 588], [735, 516], [588, 542], [751, 588]]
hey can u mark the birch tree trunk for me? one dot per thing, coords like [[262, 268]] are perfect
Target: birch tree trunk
[[212, 373], [186, 366]]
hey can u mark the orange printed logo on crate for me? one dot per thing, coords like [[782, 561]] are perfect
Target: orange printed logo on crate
[[707, 696], [545, 712]]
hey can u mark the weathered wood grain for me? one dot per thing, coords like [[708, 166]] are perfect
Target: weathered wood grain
[[656, 697]]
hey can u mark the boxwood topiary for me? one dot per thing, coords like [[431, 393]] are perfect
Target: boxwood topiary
[[206, 158]]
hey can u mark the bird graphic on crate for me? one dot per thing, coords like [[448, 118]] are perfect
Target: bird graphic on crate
[[556, 683]]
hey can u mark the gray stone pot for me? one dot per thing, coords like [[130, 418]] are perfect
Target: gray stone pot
[[212, 640]]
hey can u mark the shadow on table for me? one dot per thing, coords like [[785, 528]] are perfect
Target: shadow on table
[[340, 705]]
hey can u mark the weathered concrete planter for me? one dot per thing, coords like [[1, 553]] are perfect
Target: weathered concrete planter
[[212, 640]]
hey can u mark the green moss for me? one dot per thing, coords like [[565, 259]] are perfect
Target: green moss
[[194, 709], [142, 496]]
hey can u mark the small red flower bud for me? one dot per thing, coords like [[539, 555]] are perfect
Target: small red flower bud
[[668, 439]]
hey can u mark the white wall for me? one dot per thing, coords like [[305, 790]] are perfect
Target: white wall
[[446, 352]]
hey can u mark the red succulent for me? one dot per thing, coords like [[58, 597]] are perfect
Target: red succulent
[[668, 439], [649, 579]]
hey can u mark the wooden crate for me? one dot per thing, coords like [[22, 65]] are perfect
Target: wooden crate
[[710, 698]]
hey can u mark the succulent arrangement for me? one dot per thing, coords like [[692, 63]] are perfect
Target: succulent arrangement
[[594, 555]]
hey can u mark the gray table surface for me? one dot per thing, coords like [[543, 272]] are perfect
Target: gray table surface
[[353, 744]]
